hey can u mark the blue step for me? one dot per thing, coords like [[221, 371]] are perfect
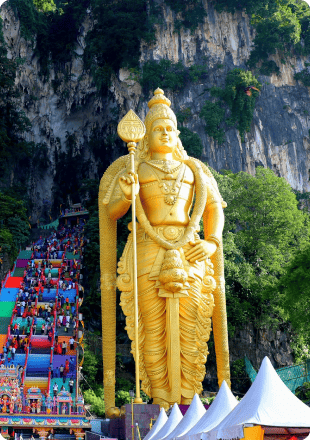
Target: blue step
[[71, 294], [47, 296], [38, 363], [8, 294]]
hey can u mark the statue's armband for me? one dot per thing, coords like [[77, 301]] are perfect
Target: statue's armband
[[118, 204]]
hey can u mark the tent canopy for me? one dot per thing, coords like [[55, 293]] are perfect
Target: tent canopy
[[192, 416], [224, 402], [161, 420], [174, 419], [268, 402]]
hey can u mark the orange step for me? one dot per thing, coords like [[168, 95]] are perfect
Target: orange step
[[2, 342], [38, 382], [67, 338]]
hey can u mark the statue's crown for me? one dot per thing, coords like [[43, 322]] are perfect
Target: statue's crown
[[159, 98], [159, 107]]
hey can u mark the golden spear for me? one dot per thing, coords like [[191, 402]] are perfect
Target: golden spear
[[131, 130]]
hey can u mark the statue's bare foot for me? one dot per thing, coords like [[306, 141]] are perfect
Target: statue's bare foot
[[161, 402]]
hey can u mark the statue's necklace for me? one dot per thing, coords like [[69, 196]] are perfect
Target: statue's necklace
[[171, 189], [165, 167]]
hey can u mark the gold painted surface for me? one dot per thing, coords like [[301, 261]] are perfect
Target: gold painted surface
[[180, 276], [131, 128]]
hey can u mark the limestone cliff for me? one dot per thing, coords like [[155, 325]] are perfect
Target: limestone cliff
[[279, 136]]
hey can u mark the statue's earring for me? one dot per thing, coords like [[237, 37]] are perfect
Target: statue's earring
[[145, 148]]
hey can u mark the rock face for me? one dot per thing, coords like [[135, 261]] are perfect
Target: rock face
[[256, 344], [279, 137]]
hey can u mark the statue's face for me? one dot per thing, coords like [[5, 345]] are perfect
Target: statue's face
[[163, 136]]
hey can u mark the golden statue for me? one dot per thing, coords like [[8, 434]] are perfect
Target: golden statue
[[180, 277]]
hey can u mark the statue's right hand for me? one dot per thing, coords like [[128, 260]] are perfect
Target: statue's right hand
[[126, 181]]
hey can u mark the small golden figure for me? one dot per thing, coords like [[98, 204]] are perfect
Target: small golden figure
[[180, 277]]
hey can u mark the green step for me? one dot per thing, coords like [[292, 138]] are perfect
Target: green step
[[4, 323], [6, 309], [71, 256], [19, 272], [24, 255], [60, 383]]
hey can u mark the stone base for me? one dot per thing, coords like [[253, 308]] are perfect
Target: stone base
[[142, 415]]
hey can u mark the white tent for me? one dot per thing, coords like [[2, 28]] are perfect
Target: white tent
[[268, 403], [191, 417], [161, 420], [224, 402], [173, 420]]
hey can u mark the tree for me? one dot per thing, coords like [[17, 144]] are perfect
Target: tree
[[263, 230], [14, 226], [45, 5], [96, 400], [294, 288]]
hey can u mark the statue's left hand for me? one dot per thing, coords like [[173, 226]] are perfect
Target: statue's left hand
[[200, 251]]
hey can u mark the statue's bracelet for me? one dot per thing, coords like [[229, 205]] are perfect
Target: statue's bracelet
[[213, 238], [124, 199]]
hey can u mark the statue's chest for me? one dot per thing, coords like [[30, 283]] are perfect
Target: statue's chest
[[159, 189], [165, 192]]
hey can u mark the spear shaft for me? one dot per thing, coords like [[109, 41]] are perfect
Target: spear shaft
[[132, 147]]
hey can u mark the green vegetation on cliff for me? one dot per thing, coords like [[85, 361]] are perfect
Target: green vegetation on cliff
[[15, 154], [115, 40], [168, 75], [192, 13], [54, 26], [239, 95], [13, 122], [281, 26]]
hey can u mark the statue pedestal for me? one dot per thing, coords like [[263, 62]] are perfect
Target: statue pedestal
[[120, 428], [142, 414]]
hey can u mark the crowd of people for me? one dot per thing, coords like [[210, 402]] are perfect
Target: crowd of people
[[33, 315]]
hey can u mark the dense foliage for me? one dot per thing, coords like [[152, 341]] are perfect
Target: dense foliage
[[115, 39], [191, 142], [168, 75], [213, 114], [304, 76], [45, 5], [192, 13], [55, 27], [14, 226], [240, 94], [294, 290], [263, 230]]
